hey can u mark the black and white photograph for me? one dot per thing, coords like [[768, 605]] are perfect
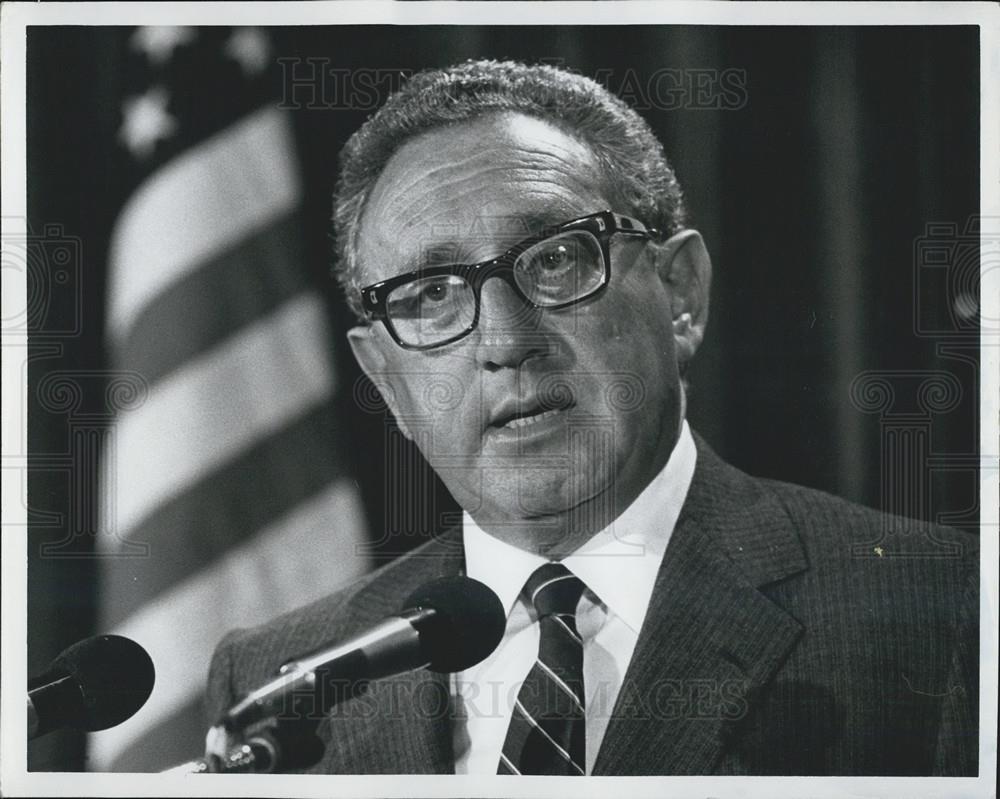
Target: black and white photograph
[[460, 398]]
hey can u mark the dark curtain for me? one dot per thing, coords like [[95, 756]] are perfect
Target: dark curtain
[[834, 173]]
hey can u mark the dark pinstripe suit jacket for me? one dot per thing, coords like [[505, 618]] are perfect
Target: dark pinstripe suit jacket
[[789, 632]]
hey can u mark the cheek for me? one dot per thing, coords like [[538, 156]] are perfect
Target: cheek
[[625, 356], [439, 403], [628, 328]]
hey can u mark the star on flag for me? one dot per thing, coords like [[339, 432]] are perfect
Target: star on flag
[[146, 122], [250, 49], [158, 42]]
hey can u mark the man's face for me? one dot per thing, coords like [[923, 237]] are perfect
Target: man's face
[[543, 424]]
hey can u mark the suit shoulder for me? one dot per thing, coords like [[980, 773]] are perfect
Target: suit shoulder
[[833, 526]]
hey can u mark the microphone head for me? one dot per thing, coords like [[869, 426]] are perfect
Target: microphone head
[[466, 626], [115, 676]]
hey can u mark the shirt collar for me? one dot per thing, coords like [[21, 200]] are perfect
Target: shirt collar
[[619, 564]]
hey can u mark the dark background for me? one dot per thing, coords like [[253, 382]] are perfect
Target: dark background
[[814, 194]]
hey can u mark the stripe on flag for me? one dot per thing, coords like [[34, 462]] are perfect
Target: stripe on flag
[[223, 510], [246, 388], [199, 205], [257, 276], [233, 471]]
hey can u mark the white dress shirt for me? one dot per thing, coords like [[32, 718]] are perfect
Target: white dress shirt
[[618, 565]]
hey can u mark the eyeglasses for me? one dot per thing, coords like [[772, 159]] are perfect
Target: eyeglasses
[[558, 267]]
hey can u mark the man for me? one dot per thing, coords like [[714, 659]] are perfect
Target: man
[[513, 241]]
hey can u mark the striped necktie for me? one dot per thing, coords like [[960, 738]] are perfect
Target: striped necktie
[[546, 732]]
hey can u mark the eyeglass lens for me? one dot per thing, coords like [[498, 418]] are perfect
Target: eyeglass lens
[[555, 271]]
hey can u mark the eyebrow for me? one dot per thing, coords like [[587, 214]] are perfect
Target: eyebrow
[[528, 225]]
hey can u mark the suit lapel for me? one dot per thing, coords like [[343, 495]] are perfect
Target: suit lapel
[[710, 638], [402, 724]]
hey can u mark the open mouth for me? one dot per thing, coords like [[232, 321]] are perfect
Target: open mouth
[[518, 416], [529, 419]]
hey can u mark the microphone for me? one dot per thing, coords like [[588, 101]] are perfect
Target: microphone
[[94, 684], [447, 625]]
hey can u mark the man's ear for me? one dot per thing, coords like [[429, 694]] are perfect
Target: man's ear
[[369, 354], [685, 268]]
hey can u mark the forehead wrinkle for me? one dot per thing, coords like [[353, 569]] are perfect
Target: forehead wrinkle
[[563, 185], [539, 208], [430, 176], [505, 134], [569, 156]]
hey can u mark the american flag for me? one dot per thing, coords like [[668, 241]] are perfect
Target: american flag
[[226, 495]]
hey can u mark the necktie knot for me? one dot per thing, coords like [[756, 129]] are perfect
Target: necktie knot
[[553, 590]]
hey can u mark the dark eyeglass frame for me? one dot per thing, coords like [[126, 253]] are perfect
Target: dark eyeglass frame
[[601, 225]]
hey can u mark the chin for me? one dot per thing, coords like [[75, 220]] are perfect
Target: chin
[[528, 493], [546, 495]]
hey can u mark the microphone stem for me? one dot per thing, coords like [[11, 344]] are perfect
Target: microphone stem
[[324, 678]]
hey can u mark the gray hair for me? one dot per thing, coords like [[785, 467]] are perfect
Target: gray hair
[[630, 155]]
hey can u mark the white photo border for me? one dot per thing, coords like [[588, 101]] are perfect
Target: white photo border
[[15, 780]]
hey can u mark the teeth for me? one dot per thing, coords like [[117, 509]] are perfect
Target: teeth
[[524, 421]]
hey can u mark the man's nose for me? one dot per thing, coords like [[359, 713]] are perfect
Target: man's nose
[[510, 329]]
